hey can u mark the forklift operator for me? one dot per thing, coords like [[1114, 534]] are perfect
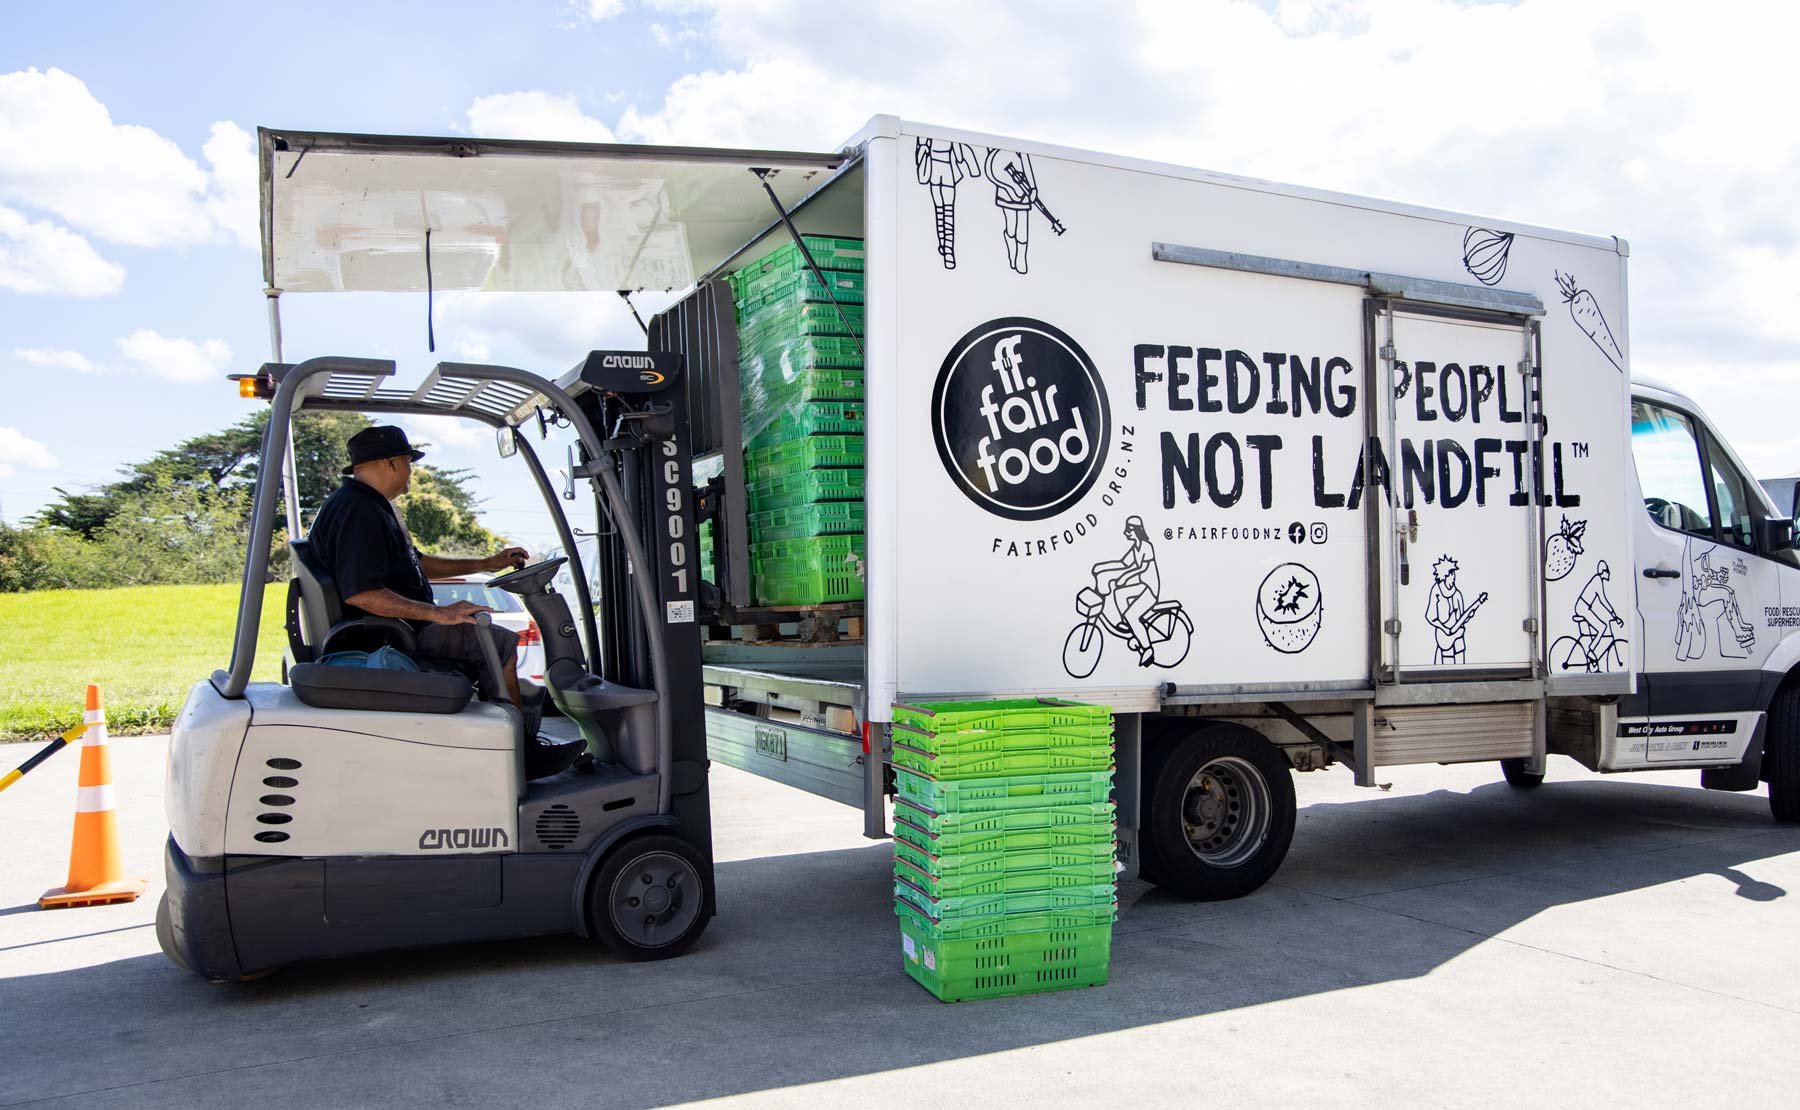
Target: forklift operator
[[362, 540]]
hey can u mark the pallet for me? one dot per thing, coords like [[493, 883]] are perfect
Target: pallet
[[812, 624]]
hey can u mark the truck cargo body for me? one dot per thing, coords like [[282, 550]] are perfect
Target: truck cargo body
[[1251, 372]]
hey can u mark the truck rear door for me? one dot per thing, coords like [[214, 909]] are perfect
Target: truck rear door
[[1458, 542]]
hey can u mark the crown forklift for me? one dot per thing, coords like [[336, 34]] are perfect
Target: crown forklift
[[353, 810]]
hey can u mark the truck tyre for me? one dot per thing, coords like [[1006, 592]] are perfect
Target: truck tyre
[[1219, 813], [1517, 775], [1781, 754], [648, 899]]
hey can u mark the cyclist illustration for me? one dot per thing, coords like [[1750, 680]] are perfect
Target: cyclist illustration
[[1124, 601], [1595, 647], [940, 164], [1709, 602], [1447, 614]]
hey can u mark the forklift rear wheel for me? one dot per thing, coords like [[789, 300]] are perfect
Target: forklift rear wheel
[[648, 900], [1517, 775], [1220, 814]]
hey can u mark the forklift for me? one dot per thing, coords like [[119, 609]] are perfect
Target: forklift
[[350, 810]]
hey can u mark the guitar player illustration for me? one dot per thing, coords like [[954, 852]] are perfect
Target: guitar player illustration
[[1447, 613]]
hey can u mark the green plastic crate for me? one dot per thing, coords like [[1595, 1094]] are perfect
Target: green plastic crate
[[1087, 859], [1015, 963], [1011, 792], [814, 571], [1024, 901], [810, 418], [801, 318], [999, 925], [948, 888], [790, 384], [844, 484], [703, 539], [972, 765], [795, 286], [819, 518], [761, 347], [802, 453], [962, 716], [1003, 740], [915, 828]]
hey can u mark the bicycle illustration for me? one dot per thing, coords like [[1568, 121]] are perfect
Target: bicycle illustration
[[1595, 647], [1123, 602]]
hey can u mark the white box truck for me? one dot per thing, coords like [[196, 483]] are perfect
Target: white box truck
[[1288, 478]]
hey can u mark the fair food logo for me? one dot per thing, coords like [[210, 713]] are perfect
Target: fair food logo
[[1021, 418]]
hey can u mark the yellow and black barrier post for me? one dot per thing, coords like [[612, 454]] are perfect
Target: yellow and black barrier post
[[50, 749]]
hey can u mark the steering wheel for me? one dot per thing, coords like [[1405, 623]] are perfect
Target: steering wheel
[[528, 580]]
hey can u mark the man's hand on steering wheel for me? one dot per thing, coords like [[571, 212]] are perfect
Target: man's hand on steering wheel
[[510, 559]]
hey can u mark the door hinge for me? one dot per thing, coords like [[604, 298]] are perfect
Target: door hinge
[[1530, 624], [1388, 351], [1391, 626]]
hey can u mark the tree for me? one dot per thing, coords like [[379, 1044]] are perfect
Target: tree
[[183, 515]]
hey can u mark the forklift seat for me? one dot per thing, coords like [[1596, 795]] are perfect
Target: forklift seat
[[315, 613]]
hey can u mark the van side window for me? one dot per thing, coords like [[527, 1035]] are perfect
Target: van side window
[[1668, 464], [1738, 508]]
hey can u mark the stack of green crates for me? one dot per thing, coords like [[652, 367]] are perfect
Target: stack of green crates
[[800, 369], [1003, 845]]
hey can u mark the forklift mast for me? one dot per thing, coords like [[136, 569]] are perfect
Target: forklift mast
[[638, 402]]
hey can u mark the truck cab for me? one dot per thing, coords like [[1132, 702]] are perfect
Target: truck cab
[[1717, 592]]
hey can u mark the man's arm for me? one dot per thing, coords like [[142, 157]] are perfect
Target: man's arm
[[438, 566], [386, 603]]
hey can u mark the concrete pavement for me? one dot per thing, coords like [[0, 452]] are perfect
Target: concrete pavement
[[1450, 941]]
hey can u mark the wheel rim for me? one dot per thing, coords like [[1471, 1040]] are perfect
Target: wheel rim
[[655, 900], [1226, 811]]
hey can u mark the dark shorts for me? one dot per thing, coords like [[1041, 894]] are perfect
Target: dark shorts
[[458, 642]]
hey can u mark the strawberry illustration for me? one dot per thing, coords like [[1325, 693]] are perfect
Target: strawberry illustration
[[1562, 549]]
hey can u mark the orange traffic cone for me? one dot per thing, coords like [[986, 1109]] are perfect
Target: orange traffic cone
[[96, 876]]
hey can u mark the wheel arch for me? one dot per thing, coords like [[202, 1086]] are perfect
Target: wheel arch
[[590, 862]]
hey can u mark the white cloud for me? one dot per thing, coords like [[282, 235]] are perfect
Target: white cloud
[[449, 433], [17, 450], [179, 360], [234, 203], [604, 9], [122, 183], [37, 256], [58, 360], [535, 115], [545, 333]]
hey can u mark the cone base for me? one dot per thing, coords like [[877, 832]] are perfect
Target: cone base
[[119, 890]]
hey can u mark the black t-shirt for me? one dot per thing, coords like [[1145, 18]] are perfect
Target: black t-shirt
[[362, 543]]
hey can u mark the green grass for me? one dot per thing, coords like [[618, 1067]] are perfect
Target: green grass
[[145, 645]]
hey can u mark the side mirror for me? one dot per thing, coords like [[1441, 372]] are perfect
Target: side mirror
[[505, 441], [1774, 534]]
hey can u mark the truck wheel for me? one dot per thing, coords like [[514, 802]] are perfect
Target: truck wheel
[[1781, 754], [648, 900], [1517, 775], [1219, 814]]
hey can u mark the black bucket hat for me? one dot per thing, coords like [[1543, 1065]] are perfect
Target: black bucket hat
[[383, 441]]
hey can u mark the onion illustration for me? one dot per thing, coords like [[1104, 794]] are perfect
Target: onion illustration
[[1289, 608], [1484, 254]]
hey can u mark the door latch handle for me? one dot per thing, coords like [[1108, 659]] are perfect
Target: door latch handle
[[1659, 572], [1412, 525]]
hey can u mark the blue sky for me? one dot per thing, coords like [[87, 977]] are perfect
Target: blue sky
[[127, 271]]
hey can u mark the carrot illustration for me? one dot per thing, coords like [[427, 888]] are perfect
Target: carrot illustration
[[1585, 311]]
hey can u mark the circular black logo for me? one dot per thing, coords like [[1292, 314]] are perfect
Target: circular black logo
[[1021, 418]]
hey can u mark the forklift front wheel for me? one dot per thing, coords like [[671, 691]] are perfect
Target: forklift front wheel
[[648, 900]]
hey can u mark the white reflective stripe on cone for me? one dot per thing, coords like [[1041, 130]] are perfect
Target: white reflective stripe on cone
[[95, 736], [94, 799], [93, 716]]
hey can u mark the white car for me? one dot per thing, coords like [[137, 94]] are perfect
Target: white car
[[509, 612]]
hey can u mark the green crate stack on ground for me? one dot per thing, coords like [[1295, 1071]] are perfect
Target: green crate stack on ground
[[800, 370], [1003, 845]]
